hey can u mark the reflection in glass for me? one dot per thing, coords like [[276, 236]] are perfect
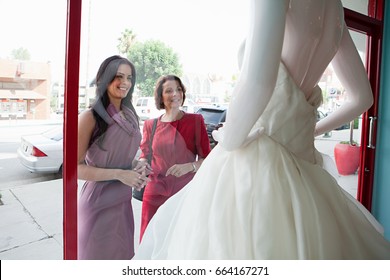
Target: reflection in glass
[[333, 97]]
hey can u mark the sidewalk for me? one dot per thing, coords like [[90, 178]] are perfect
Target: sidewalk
[[31, 215], [31, 222]]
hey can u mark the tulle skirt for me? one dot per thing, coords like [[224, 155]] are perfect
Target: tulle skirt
[[262, 202]]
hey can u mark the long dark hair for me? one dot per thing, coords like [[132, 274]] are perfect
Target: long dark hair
[[104, 77]]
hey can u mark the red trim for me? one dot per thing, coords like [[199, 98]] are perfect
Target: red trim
[[72, 63], [375, 9], [361, 23], [367, 160]]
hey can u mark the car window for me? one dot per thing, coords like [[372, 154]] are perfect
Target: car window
[[212, 116], [139, 102]]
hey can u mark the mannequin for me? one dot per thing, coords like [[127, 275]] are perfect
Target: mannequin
[[262, 192], [306, 42]]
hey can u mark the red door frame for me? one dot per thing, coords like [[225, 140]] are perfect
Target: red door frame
[[370, 25], [72, 63]]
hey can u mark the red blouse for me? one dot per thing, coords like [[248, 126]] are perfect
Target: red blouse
[[175, 142]]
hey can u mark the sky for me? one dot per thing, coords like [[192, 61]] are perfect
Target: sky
[[205, 34]]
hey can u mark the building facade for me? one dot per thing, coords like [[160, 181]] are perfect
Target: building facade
[[24, 89]]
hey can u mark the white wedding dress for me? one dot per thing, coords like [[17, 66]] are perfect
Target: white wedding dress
[[271, 199]]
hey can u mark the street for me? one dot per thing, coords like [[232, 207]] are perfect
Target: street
[[12, 172]]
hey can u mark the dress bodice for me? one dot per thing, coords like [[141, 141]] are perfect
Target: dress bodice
[[119, 145], [290, 118]]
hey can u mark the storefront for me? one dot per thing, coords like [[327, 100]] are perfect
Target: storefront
[[24, 94]]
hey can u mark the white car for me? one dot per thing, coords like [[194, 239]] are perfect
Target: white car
[[190, 106], [42, 153], [146, 108]]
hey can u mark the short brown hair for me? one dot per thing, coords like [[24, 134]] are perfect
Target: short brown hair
[[159, 89]]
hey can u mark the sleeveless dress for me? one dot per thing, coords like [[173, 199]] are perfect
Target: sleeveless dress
[[271, 199], [106, 222]]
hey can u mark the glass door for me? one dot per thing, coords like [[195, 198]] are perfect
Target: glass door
[[364, 19]]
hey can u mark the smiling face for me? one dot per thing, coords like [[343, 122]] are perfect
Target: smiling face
[[120, 86], [172, 95]]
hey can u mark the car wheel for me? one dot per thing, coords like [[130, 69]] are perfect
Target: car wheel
[[60, 174]]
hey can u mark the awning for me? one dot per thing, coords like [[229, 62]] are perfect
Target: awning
[[20, 94]]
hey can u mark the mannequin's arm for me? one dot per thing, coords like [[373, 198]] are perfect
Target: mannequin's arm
[[259, 70], [353, 76]]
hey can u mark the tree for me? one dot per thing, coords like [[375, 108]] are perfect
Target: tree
[[20, 54], [125, 41], [152, 59]]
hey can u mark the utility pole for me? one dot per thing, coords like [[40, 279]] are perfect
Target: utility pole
[[87, 59]]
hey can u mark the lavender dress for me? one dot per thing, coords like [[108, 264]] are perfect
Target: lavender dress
[[106, 222]]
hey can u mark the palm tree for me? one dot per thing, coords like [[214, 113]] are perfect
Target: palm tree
[[125, 41]]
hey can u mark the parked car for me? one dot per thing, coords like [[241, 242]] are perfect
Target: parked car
[[42, 153], [214, 117], [344, 126], [146, 108], [190, 106]]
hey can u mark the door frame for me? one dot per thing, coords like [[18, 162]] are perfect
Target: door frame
[[372, 26]]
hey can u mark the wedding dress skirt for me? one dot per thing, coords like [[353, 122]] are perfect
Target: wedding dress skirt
[[271, 199]]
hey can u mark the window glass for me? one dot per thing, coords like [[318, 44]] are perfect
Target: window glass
[[203, 35], [333, 97], [360, 6], [32, 57]]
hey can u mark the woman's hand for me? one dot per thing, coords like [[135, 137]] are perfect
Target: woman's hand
[[142, 166], [179, 170], [133, 178]]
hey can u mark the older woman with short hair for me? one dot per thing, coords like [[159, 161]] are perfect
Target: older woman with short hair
[[179, 145]]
